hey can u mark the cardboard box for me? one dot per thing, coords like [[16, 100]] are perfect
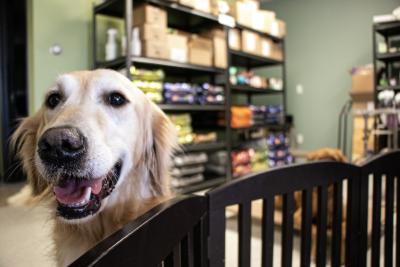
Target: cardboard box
[[220, 53], [276, 28], [202, 5], [234, 39], [151, 32], [358, 135], [153, 50], [362, 81], [242, 12], [266, 47], [148, 14], [261, 20], [277, 52], [251, 42], [362, 97], [200, 51], [178, 47]]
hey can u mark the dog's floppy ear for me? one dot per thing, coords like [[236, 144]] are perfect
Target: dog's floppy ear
[[161, 139], [23, 142]]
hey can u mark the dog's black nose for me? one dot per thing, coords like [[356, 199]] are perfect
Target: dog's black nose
[[62, 145]]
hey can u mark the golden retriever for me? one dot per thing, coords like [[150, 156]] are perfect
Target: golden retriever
[[98, 151]]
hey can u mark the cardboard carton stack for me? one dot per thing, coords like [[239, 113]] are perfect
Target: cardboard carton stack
[[248, 13], [362, 94], [200, 50], [201, 5], [149, 32], [219, 48], [177, 48]]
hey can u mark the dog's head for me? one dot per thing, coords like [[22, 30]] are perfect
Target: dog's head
[[95, 136]]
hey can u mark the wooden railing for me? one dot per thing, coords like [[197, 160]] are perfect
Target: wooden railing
[[190, 230]]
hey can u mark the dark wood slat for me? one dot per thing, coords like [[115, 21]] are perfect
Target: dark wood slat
[[177, 255], [337, 224], [169, 260], [216, 244], [321, 226], [389, 209], [287, 230], [364, 180], [267, 249], [244, 234], [187, 250], [200, 243], [397, 221], [306, 225], [376, 220]]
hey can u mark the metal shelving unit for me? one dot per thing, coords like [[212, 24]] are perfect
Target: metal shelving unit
[[244, 89], [168, 65], [387, 31], [187, 19], [178, 107]]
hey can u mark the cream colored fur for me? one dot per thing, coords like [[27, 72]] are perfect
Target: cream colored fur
[[139, 133]]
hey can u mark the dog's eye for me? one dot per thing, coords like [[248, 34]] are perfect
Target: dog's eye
[[53, 100], [116, 99]]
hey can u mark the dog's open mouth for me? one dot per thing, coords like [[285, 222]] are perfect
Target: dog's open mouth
[[79, 197]]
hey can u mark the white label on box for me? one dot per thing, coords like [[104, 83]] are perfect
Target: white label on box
[[233, 39], [275, 28], [227, 20], [179, 55], [203, 5], [251, 42], [265, 48], [258, 21]]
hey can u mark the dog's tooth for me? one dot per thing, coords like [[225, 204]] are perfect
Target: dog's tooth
[[88, 192]]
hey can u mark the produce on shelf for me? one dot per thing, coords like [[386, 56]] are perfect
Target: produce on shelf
[[150, 82], [185, 93], [244, 117], [183, 126], [278, 155], [243, 77], [217, 162], [241, 117]]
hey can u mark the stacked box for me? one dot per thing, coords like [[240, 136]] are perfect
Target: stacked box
[[149, 33], [200, 51], [188, 169]]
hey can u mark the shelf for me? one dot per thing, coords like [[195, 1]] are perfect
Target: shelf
[[388, 28], [188, 18], [389, 57], [204, 147], [274, 127], [394, 88], [177, 107], [263, 34], [244, 89], [242, 59], [201, 186], [168, 65]]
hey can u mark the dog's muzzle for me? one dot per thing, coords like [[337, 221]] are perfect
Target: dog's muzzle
[[62, 148]]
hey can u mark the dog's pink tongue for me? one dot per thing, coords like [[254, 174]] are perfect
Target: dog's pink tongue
[[73, 192]]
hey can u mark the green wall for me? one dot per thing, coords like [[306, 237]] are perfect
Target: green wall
[[325, 39], [64, 22]]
